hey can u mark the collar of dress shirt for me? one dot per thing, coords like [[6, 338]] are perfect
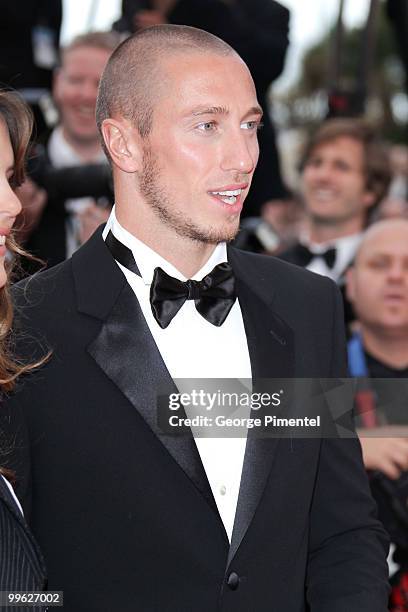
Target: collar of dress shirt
[[62, 154], [344, 243], [147, 259]]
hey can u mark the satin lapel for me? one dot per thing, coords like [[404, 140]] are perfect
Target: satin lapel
[[271, 349], [125, 350]]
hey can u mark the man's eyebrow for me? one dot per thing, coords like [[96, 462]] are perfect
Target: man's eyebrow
[[222, 110], [210, 110], [255, 110]]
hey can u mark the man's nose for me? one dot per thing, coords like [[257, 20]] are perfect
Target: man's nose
[[322, 171], [240, 153], [398, 272], [89, 93]]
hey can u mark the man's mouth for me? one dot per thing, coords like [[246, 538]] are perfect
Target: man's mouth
[[324, 195], [395, 297], [85, 111], [228, 197]]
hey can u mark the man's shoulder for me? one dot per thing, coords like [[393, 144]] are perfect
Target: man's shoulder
[[291, 254], [283, 273], [43, 304]]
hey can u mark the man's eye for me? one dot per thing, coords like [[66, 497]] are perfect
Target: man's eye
[[342, 165], [252, 126], [314, 162], [378, 264], [74, 80], [208, 126]]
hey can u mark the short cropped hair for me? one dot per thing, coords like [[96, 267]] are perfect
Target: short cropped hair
[[107, 41], [377, 167], [131, 79]]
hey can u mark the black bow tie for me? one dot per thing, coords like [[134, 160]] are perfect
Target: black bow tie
[[214, 295], [305, 256]]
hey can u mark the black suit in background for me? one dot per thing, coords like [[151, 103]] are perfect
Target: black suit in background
[[125, 516], [18, 19], [259, 31], [21, 563], [48, 240], [397, 11], [293, 255]]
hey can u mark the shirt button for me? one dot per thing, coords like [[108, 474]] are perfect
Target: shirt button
[[223, 490], [233, 581]]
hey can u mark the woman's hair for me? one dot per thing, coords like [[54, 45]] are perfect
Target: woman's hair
[[17, 117]]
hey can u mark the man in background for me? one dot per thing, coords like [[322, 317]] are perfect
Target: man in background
[[55, 227], [344, 175], [377, 286]]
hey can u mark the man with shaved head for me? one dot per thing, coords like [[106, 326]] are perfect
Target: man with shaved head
[[129, 515], [377, 286]]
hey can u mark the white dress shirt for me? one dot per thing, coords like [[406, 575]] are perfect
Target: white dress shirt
[[191, 347], [346, 248]]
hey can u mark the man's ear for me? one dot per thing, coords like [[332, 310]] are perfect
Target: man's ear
[[123, 143], [368, 199], [56, 80]]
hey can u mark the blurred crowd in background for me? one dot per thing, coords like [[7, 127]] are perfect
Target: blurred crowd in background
[[330, 192]]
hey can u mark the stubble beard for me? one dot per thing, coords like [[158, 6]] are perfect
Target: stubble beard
[[167, 212]]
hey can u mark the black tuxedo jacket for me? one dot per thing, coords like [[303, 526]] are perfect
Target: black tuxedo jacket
[[125, 516], [21, 563], [291, 255]]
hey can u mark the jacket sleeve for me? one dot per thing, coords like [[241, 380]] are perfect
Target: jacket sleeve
[[347, 568]]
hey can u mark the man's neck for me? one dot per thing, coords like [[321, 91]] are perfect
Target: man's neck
[[186, 255], [391, 349], [87, 150], [320, 233]]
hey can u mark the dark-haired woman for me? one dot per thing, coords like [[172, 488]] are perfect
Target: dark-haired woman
[[21, 563]]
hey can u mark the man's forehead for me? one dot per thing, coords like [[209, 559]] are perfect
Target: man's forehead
[[344, 140], [208, 84], [202, 69], [83, 53], [387, 242]]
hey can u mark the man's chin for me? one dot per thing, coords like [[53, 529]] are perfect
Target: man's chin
[[213, 235], [85, 136], [325, 219]]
